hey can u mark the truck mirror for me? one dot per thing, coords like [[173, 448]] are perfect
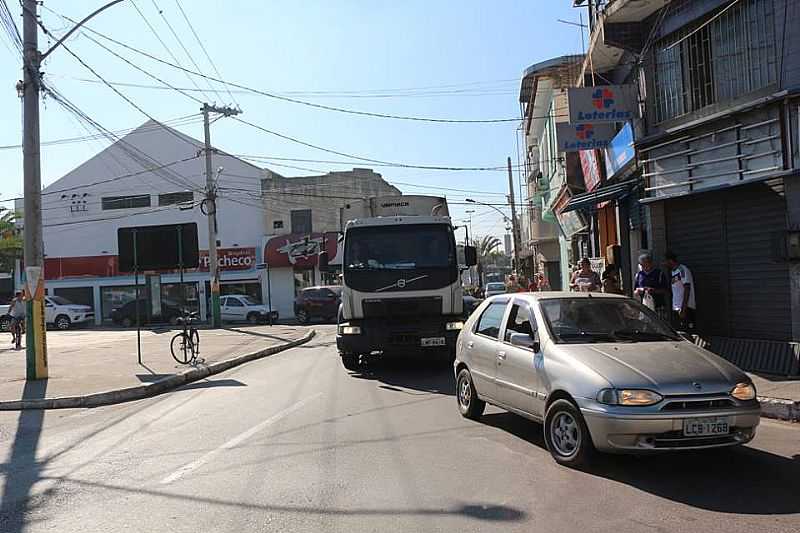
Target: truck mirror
[[323, 261], [470, 256]]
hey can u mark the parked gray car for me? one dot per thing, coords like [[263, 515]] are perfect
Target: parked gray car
[[601, 372]]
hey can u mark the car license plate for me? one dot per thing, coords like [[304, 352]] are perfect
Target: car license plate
[[710, 426], [433, 341]]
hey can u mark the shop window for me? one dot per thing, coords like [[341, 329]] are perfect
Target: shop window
[[115, 297], [172, 295], [303, 279], [277, 224], [250, 289], [77, 295], [172, 198], [125, 202]]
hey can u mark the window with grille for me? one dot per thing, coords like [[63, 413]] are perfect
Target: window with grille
[[172, 198], [125, 202], [716, 59]]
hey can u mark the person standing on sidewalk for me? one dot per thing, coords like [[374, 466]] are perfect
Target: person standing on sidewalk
[[585, 279], [683, 294], [651, 280]]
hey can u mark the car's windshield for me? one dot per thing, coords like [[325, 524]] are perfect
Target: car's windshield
[[399, 247], [582, 320], [495, 287], [58, 300], [248, 301]]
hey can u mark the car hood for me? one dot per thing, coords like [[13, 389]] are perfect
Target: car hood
[[666, 367], [79, 308]]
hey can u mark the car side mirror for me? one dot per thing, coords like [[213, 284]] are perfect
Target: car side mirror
[[323, 261], [470, 256], [524, 340]]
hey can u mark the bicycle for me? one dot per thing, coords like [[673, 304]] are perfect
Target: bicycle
[[185, 346], [17, 328]]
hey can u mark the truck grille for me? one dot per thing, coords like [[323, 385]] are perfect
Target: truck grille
[[394, 307]]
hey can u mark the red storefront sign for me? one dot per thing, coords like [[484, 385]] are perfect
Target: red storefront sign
[[230, 259], [299, 250], [591, 169]]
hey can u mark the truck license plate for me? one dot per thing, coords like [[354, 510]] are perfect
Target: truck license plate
[[698, 427], [433, 341]]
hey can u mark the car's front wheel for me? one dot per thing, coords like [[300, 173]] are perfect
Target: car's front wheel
[[254, 318], [566, 434], [62, 322], [469, 405]]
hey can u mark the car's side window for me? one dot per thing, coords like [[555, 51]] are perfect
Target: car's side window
[[520, 320], [223, 302], [234, 302], [490, 321]]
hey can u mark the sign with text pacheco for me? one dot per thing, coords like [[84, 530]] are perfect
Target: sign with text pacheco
[[576, 137], [607, 103]]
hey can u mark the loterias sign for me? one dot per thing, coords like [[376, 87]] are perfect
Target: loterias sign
[[575, 137], [607, 103]]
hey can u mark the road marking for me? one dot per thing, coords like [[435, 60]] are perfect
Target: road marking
[[194, 465]]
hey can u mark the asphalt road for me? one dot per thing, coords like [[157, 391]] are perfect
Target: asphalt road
[[296, 443]]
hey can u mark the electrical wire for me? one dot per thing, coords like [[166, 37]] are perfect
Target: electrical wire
[[301, 102], [203, 48]]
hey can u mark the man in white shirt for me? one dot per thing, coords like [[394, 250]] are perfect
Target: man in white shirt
[[683, 294]]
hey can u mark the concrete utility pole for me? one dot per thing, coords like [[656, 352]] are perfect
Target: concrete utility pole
[[35, 342], [28, 89], [211, 211], [514, 221]]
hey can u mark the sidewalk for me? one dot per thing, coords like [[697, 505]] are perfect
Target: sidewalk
[[779, 396], [96, 367]]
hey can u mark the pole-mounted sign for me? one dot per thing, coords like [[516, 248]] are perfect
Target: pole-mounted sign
[[575, 137]]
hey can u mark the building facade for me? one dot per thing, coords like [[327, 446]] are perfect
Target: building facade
[[716, 173]]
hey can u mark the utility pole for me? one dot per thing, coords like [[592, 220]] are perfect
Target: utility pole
[[514, 221], [211, 210], [35, 342]]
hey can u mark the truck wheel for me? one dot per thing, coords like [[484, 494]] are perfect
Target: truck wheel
[[350, 361], [62, 322]]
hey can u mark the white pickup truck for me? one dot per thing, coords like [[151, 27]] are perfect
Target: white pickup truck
[[58, 312]]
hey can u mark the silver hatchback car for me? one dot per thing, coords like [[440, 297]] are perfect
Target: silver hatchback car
[[601, 372]]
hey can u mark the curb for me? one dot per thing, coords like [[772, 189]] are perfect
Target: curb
[[780, 409], [139, 392]]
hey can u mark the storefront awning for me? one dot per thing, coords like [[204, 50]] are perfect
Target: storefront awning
[[612, 191]]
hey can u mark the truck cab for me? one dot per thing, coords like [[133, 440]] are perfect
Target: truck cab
[[402, 291]]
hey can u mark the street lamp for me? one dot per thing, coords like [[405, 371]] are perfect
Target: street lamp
[[470, 200]]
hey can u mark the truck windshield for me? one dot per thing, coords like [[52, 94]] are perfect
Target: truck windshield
[[399, 247]]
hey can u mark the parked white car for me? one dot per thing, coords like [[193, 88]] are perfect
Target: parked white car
[[494, 287], [58, 312], [62, 313], [239, 308]]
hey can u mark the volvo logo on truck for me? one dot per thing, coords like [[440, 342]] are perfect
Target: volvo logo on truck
[[395, 204]]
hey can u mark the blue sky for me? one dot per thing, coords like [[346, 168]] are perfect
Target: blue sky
[[443, 59]]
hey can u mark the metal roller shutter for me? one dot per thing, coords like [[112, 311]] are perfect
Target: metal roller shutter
[[725, 238]]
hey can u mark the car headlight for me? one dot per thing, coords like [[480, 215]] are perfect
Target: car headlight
[[744, 391], [628, 397], [350, 330], [454, 326]]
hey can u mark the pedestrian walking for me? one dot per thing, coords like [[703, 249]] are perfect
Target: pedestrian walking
[[533, 286], [683, 294], [651, 284], [585, 279], [17, 311]]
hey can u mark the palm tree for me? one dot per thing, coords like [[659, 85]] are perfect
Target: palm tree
[[10, 242], [487, 245]]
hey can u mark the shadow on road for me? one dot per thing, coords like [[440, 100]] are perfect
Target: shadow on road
[[257, 334], [208, 384], [742, 480], [22, 471], [414, 373]]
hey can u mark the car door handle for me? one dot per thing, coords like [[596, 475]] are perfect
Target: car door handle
[[501, 355], [470, 344]]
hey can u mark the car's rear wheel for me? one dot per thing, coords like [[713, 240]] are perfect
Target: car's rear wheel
[[566, 434], [350, 360], [469, 405], [302, 316]]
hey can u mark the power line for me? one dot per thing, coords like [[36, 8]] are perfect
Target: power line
[[180, 42], [270, 159], [302, 102], [203, 48], [157, 36]]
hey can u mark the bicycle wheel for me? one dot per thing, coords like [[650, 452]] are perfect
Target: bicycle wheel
[[195, 338], [181, 347]]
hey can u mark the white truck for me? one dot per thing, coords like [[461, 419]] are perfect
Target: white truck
[[402, 289], [58, 312]]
